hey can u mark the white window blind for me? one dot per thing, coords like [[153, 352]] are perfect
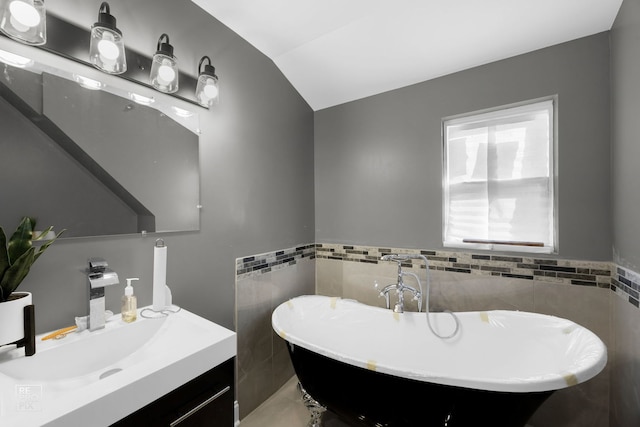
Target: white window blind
[[498, 179]]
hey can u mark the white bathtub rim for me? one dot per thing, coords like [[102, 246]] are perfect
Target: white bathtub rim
[[585, 368]]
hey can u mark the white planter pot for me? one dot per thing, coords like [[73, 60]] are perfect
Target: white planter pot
[[12, 317]]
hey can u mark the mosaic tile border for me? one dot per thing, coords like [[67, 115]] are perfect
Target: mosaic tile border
[[270, 261], [584, 273], [626, 283], [622, 281]]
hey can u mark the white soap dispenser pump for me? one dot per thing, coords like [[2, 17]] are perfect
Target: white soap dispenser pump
[[129, 303]]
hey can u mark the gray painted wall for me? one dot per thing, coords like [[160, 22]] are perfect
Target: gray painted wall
[[625, 103], [256, 160], [378, 161]]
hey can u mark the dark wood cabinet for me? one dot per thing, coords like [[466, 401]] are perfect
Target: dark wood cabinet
[[204, 401]]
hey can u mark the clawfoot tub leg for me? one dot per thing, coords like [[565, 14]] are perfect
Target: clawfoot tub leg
[[315, 408]]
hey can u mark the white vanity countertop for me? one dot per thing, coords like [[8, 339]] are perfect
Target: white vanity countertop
[[61, 384]]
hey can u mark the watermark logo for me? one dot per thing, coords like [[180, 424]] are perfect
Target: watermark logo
[[28, 398]]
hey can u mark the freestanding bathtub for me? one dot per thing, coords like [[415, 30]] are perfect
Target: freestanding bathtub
[[374, 367]]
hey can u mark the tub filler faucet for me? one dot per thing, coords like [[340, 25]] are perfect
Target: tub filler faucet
[[400, 287], [99, 276]]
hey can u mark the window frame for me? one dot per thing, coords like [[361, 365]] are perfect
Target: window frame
[[553, 177]]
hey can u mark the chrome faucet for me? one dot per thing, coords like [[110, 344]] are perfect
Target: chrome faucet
[[400, 287], [99, 276]]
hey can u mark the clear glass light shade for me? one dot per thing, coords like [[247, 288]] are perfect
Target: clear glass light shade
[[24, 20], [207, 90], [164, 73], [106, 51]]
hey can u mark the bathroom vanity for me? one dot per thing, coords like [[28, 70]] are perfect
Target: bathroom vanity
[[203, 401], [176, 370]]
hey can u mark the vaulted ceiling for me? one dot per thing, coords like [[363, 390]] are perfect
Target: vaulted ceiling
[[336, 51]]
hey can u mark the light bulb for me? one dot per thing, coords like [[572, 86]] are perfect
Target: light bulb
[[211, 91], [207, 94], [108, 49], [23, 15], [166, 74]]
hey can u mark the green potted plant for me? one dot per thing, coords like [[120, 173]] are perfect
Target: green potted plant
[[16, 258]]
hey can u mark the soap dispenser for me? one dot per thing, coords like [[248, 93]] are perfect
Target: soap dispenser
[[129, 303]]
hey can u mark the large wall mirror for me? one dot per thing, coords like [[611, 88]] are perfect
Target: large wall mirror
[[92, 153]]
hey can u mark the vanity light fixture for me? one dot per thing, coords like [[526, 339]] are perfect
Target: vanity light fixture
[[207, 86], [24, 20], [15, 60], [106, 51], [164, 67]]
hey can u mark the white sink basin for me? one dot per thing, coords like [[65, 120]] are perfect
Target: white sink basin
[[68, 379], [81, 353]]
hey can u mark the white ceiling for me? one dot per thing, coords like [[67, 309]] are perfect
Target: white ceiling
[[335, 51]]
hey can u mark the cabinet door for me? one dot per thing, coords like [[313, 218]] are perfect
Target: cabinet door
[[206, 401], [214, 411]]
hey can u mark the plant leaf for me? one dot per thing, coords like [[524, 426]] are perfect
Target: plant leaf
[[20, 241], [4, 255], [41, 235], [4, 263], [17, 272], [42, 248]]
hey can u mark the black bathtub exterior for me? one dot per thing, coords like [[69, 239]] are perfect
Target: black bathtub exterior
[[363, 397]]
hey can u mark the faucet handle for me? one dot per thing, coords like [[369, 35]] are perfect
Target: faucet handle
[[97, 265], [100, 275]]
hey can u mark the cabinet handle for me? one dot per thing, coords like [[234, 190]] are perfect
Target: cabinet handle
[[200, 406]]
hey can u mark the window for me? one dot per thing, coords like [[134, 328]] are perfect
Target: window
[[499, 179]]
